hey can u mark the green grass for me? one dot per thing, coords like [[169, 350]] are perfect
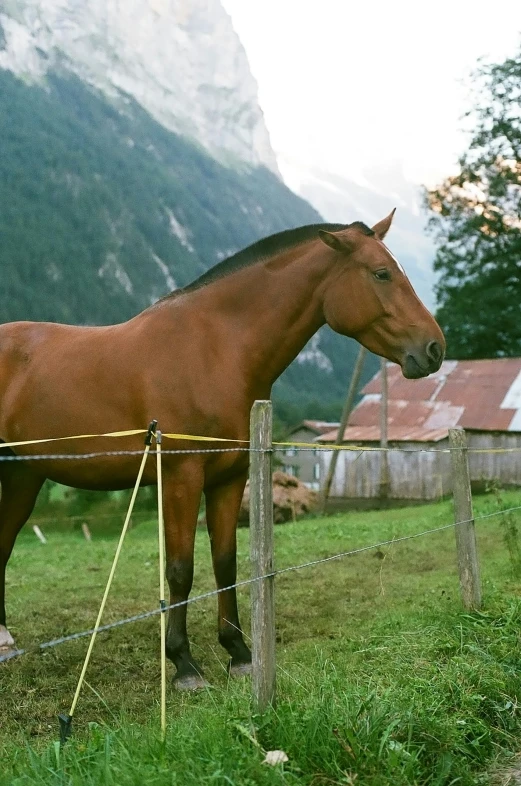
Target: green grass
[[382, 679]]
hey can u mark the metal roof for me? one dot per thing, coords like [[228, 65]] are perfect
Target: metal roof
[[318, 426], [484, 395]]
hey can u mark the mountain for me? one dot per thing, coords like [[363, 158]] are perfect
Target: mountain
[[181, 60], [134, 156], [104, 210], [368, 196]]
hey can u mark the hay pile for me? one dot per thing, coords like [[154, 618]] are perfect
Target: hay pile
[[291, 499]]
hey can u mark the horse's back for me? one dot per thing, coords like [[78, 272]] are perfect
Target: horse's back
[[53, 373], [29, 347]]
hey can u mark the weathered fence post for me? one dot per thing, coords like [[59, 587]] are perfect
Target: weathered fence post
[[348, 406], [261, 555], [465, 532], [384, 444]]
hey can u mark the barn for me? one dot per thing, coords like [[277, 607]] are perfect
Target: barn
[[481, 396], [304, 465]]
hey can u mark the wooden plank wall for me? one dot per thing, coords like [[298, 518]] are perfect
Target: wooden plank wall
[[423, 470]]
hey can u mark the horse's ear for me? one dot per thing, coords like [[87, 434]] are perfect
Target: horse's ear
[[334, 241], [382, 227]]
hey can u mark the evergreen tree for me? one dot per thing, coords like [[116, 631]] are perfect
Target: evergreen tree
[[477, 224]]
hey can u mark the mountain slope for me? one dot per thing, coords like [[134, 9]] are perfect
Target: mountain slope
[[181, 61], [103, 211]]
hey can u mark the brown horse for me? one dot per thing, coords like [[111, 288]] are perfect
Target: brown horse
[[196, 361]]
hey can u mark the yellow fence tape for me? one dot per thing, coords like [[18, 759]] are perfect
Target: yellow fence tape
[[199, 438]]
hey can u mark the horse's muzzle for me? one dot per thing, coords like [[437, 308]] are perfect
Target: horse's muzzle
[[421, 363]]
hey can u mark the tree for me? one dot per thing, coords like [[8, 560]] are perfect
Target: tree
[[477, 225]]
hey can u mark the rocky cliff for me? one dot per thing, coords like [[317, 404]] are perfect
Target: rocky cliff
[[181, 60]]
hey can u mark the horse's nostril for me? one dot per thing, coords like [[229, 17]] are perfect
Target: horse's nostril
[[434, 351]]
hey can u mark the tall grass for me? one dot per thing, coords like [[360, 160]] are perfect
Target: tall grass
[[432, 704], [382, 679]]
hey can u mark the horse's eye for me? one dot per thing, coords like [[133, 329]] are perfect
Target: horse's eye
[[382, 275]]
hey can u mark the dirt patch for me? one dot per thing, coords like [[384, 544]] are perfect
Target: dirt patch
[[291, 499], [508, 777]]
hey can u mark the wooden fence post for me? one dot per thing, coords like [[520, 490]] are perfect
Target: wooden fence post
[[465, 533], [384, 444], [348, 406], [261, 555]]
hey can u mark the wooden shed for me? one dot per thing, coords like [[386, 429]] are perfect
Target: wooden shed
[[482, 396], [304, 465]]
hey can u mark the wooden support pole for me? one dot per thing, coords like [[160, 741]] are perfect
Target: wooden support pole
[[86, 531], [348, 406], [261, 555], [384, 455], [465, 532]]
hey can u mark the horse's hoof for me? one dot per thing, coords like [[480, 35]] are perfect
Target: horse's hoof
[[240, 670], [6, 653], [7, 645], [191, 682]]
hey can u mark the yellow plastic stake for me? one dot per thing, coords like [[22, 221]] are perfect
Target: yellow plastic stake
[[109, 582]]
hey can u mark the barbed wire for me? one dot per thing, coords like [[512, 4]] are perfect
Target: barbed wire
[[376, 449], [245, 582], [110, 453], [275, 449], [282, 448]]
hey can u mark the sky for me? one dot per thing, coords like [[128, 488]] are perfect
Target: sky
[[348, 85]]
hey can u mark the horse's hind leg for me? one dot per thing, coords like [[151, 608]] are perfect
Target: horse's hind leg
[[222, 511], [20, 488]]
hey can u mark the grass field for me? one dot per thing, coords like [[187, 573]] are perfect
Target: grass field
[[382, 679]]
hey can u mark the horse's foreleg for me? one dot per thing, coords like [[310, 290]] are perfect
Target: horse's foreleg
[[222, 511], [181, 497], [20, 488]]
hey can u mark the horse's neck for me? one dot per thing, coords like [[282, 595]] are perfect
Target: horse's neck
[[271, 310]]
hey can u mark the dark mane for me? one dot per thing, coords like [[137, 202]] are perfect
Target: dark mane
[[363, 228], [266, 247]]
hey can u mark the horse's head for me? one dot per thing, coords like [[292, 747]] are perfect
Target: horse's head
[[369, 297]]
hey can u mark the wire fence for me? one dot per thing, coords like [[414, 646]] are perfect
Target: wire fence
[[240, 445], [117, 453], [260, 451], [277, 448], [244, 583]]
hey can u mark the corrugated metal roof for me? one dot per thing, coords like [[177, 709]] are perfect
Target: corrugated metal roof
[[321, 426], [396, 434], [484, 395], [317, 426]]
